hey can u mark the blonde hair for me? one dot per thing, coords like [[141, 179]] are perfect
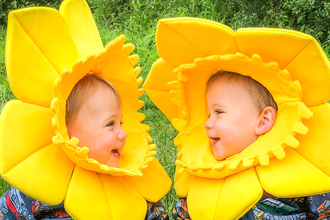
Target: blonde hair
[[80, 93], [257, 91]]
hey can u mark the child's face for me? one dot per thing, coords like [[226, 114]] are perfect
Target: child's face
[[233, 118], [98, 126]]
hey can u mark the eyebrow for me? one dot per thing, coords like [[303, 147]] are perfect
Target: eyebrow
[[217, 105], [110, 117]]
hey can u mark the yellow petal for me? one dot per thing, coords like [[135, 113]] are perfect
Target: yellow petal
[[197, 109], [204, 191], [44, 176], [156, 87], [223, 198], [112, 197], [272, 44], [120, 193], [181, 40], [24, 129], [85, 195], [293, 176], [315, 146], [154, 184], [311, 67], [182, 182], [82, 27], [38, 48], [299, 53]]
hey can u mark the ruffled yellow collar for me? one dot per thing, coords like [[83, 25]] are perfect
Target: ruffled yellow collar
[[47, 53], [286, 161]]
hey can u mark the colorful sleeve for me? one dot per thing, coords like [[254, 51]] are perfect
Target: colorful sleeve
[[16, 205], [319, 207], [156, 211], [180, 210]]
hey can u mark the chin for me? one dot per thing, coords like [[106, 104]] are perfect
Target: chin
[[219, 155], [219, 158]]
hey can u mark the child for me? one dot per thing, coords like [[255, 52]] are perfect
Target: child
[[78, 158], [240, 110], [226, 162], [93, 115]]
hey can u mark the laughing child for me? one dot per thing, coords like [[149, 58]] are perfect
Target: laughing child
[[240, 110], [94, 116], [62, 139], [251, 154]]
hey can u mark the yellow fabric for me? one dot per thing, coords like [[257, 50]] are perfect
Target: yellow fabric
[[291, 168], [47, 53], [217, 194], [27, 46], [287, 160], [49, 170], [161, 94], [84, 34], [13, 132], [299, 53], [150, 191], [317, 153], [112, 203], [183, 182]]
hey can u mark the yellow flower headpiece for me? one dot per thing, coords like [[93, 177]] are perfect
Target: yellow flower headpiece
[[47, 53], [289, 161]]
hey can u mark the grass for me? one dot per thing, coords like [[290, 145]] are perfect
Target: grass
[[137, 21], [163, 135]]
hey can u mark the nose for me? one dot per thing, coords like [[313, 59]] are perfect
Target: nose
[[122, 135], [208, 124]]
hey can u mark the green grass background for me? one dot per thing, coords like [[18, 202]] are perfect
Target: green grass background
[[137, 20]]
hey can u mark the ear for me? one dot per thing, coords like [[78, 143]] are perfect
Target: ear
[[266, 120]]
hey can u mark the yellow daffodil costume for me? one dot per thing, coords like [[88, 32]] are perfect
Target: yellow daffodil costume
[[291, 160], [47, 53]]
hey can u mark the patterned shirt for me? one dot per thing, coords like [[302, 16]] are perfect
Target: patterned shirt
[[16, 205], [269, 207]]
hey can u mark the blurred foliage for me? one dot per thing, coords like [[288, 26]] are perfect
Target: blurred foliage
[[309, 16], [8, 5]]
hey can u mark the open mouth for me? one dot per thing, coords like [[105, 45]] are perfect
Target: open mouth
[[115, 152], [214, 140]]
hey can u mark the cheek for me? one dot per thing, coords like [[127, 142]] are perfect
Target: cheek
[[101, 147], [106, 142], [220, 127], [228, 132], [100, 143], [83, 133]]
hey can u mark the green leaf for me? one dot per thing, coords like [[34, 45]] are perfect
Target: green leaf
[[299, 19]]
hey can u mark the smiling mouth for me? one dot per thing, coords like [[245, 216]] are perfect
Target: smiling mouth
[[214, 141], [116, 153]]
